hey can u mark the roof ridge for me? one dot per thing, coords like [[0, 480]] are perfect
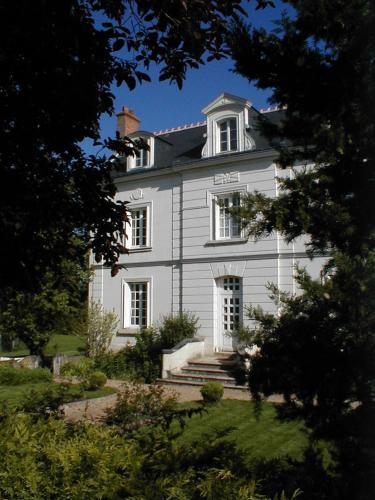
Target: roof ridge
[[181, 127]]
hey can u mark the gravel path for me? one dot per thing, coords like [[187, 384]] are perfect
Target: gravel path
[[94, 409]]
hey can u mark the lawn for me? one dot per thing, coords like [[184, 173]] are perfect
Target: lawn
[[13, 394], [261, 438], [63, 344]]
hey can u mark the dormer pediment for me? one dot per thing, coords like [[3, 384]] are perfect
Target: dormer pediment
[[226, 101]]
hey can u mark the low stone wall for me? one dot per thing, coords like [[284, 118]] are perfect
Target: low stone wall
[[175, 358], [31, 362], [62, 359], [22, 361]]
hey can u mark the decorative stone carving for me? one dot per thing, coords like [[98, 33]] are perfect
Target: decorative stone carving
[[249, 142], [228, 269], [205, 150], [136, 195], [227, 178]]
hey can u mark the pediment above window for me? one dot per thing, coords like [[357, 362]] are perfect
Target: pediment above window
[[227, 126]]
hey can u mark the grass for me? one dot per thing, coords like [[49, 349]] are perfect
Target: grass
[[64, 344], [14, 394], [262, 438]]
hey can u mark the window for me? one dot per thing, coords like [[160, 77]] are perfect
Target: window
[[136, 303], [227, 226], [228, 135], [141, 158], [139, 227]]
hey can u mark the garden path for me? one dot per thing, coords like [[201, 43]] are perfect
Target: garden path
[[95, 409]]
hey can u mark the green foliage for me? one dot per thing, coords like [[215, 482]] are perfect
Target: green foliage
[[86, 372], [34, 317], [145, 358], [329, 342], [320, 351], [53, 307], [14, 396], [48, 400], [49, 458], [96, 380], [81, 369], [56, 203], [59, 190], [212, 392], [17, 376], [175, 328], [115, 365], [139, 405], [101, 328], [70, 345]]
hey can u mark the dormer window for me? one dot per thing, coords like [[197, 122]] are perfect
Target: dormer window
[[142, 158], [228, 135], [228, 120]]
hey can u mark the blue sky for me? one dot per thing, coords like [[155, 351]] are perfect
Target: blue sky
[[160, 105]]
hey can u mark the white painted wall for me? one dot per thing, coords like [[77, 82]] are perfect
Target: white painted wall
[[183, 262]]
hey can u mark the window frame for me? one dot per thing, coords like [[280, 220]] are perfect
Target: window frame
[[127, 305], [229, 221], [227, 120], [145, 157], [217, 236], [147, 245], [142, 158], [211, 196]]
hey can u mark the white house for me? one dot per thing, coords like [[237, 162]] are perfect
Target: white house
[[186, 252]]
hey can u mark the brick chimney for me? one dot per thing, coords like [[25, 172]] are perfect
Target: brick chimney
[[127, 122]]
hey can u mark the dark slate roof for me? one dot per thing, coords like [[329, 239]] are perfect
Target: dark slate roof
[[185, 144], [179, 146]]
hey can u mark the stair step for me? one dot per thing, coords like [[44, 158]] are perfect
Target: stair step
[[177, 382], [203, 378], [211, 365], [201, 370]]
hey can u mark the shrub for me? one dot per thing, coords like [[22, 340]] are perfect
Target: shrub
[[116, 364], [212, 392], [82, 369], [138, 405], [95, 380], [48, 401], [145, 358], [17, 376], [49, 458], [101, 328], [176, 328]]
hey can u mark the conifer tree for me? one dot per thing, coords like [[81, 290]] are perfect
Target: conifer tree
[[319, 352]]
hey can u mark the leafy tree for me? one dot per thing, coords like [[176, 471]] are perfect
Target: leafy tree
[[320, 350], [56, 305], [58, 62]]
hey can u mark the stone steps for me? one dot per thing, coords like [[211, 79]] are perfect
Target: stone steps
[[216, 368]]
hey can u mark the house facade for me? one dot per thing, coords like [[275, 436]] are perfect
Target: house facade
[[186, 252]]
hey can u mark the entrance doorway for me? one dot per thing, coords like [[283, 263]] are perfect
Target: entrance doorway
[[229, 311]]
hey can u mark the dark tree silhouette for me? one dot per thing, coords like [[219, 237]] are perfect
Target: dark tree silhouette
[[320, 351]]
